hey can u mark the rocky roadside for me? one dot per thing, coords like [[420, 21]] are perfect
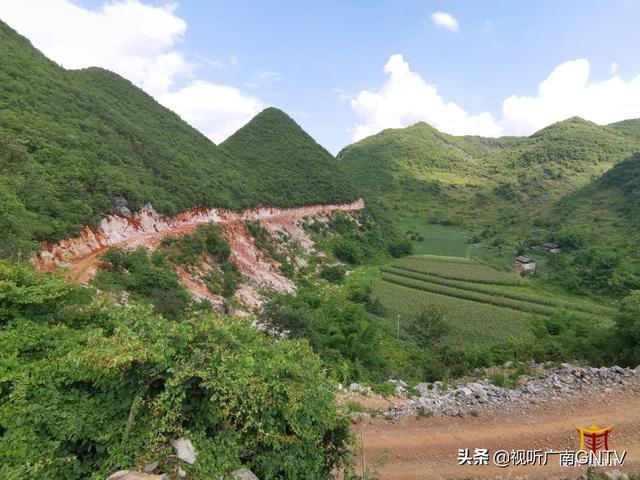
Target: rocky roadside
[[185, 453], [471, 398]]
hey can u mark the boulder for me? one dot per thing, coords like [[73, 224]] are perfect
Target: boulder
[[120, 206], [616, 475], [466, 391], [119, 475], [423, 388], [127, 475], [184, 450], [151, 468], [243, 474], [357, 388]]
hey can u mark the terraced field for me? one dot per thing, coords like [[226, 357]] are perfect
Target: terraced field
[[481, 304]]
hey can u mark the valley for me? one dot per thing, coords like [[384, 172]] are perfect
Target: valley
[[261, 302]]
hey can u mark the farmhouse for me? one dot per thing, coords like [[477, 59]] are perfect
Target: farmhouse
[[551, 247], [524, 264]]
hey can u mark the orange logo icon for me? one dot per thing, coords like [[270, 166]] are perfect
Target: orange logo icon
[[594, 438]]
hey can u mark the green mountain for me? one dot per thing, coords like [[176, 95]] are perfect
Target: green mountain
[[573, 181], [71, 141], [282, 164], [627, 127]]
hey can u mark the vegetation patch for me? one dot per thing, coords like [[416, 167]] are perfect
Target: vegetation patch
[[88, 388]]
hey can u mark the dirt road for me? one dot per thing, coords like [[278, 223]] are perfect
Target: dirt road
[[427, 448], [80, 255]]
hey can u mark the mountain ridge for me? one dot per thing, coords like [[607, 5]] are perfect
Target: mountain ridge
[[71, 141]]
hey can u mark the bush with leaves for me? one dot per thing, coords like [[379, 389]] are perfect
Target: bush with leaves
[[333, 273], [626, 333], [429, 327], [147, 276], [102, 388]]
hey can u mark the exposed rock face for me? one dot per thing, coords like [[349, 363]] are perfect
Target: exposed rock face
[[147, 228], [458, 400]]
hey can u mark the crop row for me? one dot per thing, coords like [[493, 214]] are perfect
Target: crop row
[[469, 322], [491, 290], [471, 272], [442, 259], [469, 295]]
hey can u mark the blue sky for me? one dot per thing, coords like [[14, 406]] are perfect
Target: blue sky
[[313, 59]]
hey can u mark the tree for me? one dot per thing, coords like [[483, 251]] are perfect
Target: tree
[[626, 334], [90, 388], [16, 223], [429, 327]]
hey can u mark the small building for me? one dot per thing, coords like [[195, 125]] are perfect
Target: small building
[[551, 247], [524, 264]]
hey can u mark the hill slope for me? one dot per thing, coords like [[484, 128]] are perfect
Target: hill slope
[[282, 164], [71, 141], [627, 127], [482, 183]]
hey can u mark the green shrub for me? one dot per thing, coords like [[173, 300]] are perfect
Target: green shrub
[[103, 388], [333, 273], [355, 407], [231, 278], [429, 327], [147, 276], [348, 251], [400, 248], [383, 388]]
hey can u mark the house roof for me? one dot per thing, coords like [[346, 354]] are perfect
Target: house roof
[[523, 259], [551, 245]]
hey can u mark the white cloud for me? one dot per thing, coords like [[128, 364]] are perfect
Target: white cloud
[[445, 20], [613, 68], [128, 37], [343, 95], [406, 99], [139, 42], [217, 110], [566, 92]]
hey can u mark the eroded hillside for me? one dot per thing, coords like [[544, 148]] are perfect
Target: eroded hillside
[[81, 254]]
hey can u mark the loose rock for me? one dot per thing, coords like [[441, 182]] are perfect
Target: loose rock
[[458, 400], [184, 450], [243, 474]]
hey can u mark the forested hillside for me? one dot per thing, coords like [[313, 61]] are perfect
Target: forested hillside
[[282, 164], [418, 170], [71, 141], [515, 193], [600, 225]]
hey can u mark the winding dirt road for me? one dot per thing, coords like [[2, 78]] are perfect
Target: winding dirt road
[[427, 448]]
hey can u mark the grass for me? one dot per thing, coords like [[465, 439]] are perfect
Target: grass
[[434, 239]]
